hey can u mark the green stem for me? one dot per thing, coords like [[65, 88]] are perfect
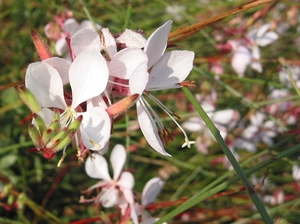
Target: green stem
[[88, 14], [216, 133], [200, 197], [128, 15]]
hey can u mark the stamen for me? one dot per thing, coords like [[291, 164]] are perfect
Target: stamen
[[62, 158]]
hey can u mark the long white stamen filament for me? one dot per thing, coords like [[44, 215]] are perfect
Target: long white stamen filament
[[168, 112]]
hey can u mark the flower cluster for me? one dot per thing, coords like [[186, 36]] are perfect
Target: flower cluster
[[104, 69], [118, 191]]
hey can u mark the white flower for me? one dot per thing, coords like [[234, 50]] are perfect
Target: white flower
[[88, 75], [247, 52], [116, 190], [150, 192], [166, 70]]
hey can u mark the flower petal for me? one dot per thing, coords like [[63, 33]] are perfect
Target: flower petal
[[70, 26], [109, 197], [139, 79], [125, 62], [240, 59], [85, 39], [109, 42], [96, 167], [117, 159], [95, 128], [62, 66], [88, 76], [172, 68], [157, 43], [131, 39], [149, 128], [45, 83], [151, 190], [126, 180], [267, 39]]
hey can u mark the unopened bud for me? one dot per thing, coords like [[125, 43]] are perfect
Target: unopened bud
[[34, 135], [122, 105], [28, 98]]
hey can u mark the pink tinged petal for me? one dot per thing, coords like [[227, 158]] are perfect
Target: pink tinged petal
[[85, 39], [45, 83], [62, 66], [151, 190], [70, 26], [241, 58], [95, 128], [157, 43], [267, 39], [96, 167], [131, 39], [109, 42], [88, 76], [109, 197], [126, 180], [149, 129], [172, 68], [139, 79], [125, 62], [117, 159]]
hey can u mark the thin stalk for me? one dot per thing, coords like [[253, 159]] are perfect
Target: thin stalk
[[88, 14], [216, 133], [128, 15], [200, 197]]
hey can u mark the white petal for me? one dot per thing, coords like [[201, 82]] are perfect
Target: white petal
[[109, 197], [262, 30], [157, 43], [70, 26], [172, 68], [118, 159], [151, 190], [61, 46], [96, 167], [223, 116], [131, 39], [241, 58], [47, 116], [193, 124], [149, 129], [139, 79], [125, 62], [88, 76], [62, 66], [126, 180], [86, 24], [267, 39], [45, 83], [109, 42], [85, 39], [95, 128]]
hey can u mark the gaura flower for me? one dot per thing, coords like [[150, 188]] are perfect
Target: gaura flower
[[116, 190], [167, 70], [142, 71], [150, 192], [88, 75]]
